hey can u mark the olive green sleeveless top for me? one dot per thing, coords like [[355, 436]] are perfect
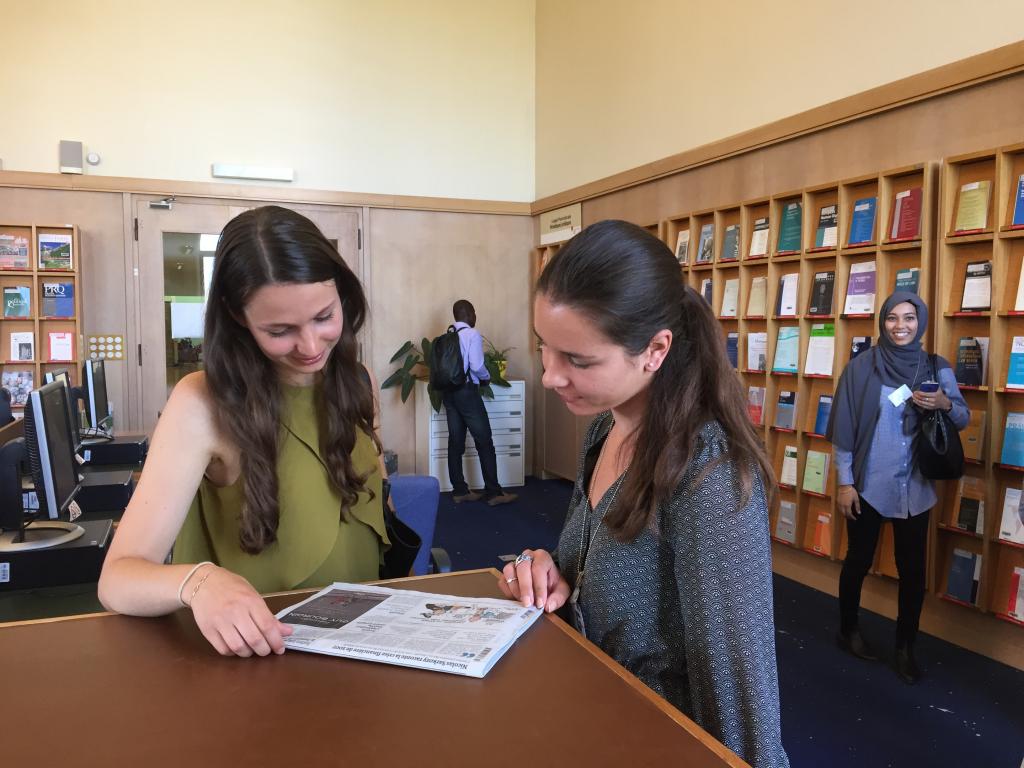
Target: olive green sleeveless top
[[314, 546]]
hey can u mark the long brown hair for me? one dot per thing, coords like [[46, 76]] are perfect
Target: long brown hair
[[264, 246], [627, 282]]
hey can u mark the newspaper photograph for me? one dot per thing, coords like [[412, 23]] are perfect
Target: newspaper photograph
[[459, 635]]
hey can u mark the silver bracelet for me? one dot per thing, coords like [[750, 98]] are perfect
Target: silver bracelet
[[181, 587]]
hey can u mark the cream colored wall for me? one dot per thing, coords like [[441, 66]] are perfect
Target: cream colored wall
[[390, 96], [623, 84]]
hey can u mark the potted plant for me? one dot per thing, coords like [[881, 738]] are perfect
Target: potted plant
[[499, 358], [416, 367]]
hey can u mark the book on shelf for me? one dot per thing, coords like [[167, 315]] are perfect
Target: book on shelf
[[787, 350], [789, 230], [1011, 526], [964, 575], [402, 627], [860, 291], [908, 279], [973, 435], [17, 301], [972, 206], [23, 346], [706, 288], [1015, 605], [1013, 441], [859, 345], [61, 347], [823, 533], [970, 509], [821, 350], [822, 416], [785, 523], [971, 361], [58, 299], [55, 251], [731, 298], [758, 297], [1015, 370], [1018, 205], [19, 384], [759, 238], [906, 215], [816, 471], [785, 301], [977, 296], [13, 251], [732, 351], [757, 351], [706, 244], [788, 474], [828, 227], [785, 410], [820, 302], [683, 245], [755, 405], [862, 223], [731, 243]]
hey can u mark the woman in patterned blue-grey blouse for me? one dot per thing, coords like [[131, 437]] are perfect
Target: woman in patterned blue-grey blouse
[[664, 561]]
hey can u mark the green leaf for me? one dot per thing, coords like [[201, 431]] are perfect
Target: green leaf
[[486, 391], [407, 384], [404, 349], [410, 361], [435, 398], [393, 380], [426, 345]]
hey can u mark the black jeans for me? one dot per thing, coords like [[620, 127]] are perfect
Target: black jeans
[[911, 544], [465, 408]]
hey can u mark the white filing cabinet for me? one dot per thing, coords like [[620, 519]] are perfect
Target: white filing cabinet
[[507, 414]]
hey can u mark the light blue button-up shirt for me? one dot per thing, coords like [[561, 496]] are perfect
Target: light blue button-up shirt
[[472, 346], [893, 484]]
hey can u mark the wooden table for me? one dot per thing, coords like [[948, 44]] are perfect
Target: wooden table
[[110, 690]]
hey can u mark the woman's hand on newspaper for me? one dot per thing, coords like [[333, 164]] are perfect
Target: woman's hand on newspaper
[[233, 617], [535, 581]]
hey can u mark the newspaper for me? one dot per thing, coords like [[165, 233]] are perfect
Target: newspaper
[[460, 635]]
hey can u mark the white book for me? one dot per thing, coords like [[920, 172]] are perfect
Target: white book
[[821, 350], [683, 246], [977, 287], [1018, 304], [788, 474], [1017, 597], [23, 346], [1011, 527], [785, 525], [731, 298], [61, 346], [758, 296], [759, 238], [788, 285], [860, 290], [757, 351]]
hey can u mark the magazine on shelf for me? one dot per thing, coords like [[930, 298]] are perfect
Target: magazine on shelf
[[757, 351], [908, 279], [1018, 204], [862, 223], [972, 207], [1013, 441], [731, 243], [755, 405], [13, 251], [19, 384], [822, 415], [821, 293], [23, 346], [789, 231], [459, 635], [1015, 605], [1015, 371], [963, 576], [825, 236], [682, 245], [785, 524], [821, 350], [58, 300], [1011, 527], [906, 215], [732, 348], [970, 511], [730, 298], [786, 298], [860, 291], [17, 301], [977, 296], [973, 435], [787, 350], [759, 238], [785, 410], [706, 244], [55, 251], [788, 474], [758, 297]]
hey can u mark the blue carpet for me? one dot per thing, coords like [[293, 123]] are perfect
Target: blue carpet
[[837, 711]]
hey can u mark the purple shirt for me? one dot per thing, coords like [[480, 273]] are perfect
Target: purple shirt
[[472, 345]]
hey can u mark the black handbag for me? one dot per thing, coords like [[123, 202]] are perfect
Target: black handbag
[[405, 542], [940, 454]]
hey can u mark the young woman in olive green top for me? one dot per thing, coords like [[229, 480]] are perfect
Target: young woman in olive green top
[[264, 471]]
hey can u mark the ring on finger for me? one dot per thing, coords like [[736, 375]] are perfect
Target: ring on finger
[[525, 557], [510, 579]]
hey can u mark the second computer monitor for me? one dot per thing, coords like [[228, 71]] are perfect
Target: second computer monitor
[[98, 410], [62, 375], [50, 452]]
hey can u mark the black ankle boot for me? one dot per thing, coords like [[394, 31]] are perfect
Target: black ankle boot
[[855, 644], [905, 666]]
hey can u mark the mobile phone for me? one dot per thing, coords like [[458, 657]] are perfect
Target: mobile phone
[[929, 386]]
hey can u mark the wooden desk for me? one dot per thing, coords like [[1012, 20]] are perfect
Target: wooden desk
[[114, 690]]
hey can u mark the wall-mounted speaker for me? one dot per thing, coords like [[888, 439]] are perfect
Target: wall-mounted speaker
[[71, 157]]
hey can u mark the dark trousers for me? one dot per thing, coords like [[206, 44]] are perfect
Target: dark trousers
[[911, 540], [465, 409]]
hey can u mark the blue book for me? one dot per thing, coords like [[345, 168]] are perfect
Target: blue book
[[787, 350], [59, 299], [1015, 372], [732, 344], [17, 301], [1018, 205], [960, 583], [1013, 441], [862, 224], [785, 410], [824, 411]]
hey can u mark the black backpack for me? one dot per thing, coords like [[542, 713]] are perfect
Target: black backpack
[[447, 369]]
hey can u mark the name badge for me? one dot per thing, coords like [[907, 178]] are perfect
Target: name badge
[[901, 395]]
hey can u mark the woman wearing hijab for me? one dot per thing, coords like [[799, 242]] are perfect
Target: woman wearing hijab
[[872, 428]]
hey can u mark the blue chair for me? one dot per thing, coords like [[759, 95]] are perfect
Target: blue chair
[[416, 499]]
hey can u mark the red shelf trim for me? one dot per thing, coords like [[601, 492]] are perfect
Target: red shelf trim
[[783, 429], [1009, 618], [952, 599], [815, 434], [815, 494], [893, 240], [817, 376], [782, 373], [858, 315]]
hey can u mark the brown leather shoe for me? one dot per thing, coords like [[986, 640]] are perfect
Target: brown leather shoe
[[471, 496], [504, 498], [856, 645], [906, 667]]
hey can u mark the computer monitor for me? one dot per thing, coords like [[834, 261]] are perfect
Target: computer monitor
[[62, 375], [51, 458], [94, 375]]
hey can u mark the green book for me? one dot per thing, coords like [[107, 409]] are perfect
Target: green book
[[789, 231], [972, 211], [816, 472], [17, 301]]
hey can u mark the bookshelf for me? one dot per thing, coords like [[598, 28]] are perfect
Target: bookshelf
[[990, 237], [21, 243]]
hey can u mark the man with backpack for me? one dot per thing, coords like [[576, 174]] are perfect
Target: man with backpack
[[458, 372]]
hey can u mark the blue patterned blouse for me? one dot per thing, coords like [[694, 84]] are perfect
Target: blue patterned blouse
[[687, 608]]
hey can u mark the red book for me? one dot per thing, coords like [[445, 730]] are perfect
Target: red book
[[906, 215]]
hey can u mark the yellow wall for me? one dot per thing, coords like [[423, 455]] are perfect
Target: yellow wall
[[391, 96], [622, 84]]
